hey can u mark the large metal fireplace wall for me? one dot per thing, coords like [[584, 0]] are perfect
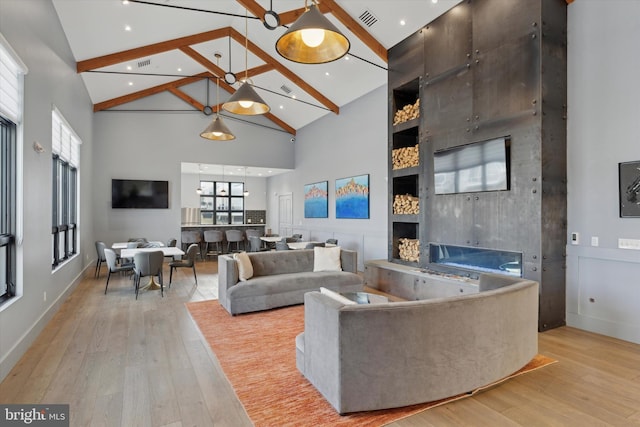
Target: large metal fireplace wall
[[489, 69]]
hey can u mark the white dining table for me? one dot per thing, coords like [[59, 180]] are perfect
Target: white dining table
[[123, 245], [270, 239], [302, 245]]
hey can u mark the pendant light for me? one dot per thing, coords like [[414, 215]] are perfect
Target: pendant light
[[245, 193], [312, 39], [217, 131], [245, 100], [223, 192], [199, 189]]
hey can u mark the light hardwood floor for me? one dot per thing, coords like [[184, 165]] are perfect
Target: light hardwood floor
[[122, 362]]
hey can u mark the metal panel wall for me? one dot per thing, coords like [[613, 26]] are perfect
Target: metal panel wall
[[496, 68]]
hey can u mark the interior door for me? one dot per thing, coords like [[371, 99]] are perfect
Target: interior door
[[285, 214]]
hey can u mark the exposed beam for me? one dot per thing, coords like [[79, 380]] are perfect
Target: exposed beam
[[200, 59], [285, 71], [186, 98], [152, 49], [356, 29], [147, 92]]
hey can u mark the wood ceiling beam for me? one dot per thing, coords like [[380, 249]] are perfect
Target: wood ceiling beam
[[186, 98], [200, 59], [147, 92], [356, 29], [285, 71], [152, 49], [325, 6]]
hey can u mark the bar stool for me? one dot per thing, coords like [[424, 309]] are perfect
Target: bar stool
[[213, 236], [234, 236]]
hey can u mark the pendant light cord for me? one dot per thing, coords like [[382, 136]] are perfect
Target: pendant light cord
[[246, 45]]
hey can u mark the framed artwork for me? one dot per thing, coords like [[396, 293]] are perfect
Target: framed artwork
[[629, 182], [352, 197], [316, 200]]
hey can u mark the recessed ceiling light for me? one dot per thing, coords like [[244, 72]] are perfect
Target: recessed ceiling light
[[403, 22], [270, 171], [179, 69], [130, 83], [282, 107], [125, 1], [293, 96], [434, 1], [127, 27], [129, 68], [346, 57], [326, 74]]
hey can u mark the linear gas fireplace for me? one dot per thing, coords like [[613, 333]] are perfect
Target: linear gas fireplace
[[481, 260]]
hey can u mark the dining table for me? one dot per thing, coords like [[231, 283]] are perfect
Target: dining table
[[303, 245], [123, 245]]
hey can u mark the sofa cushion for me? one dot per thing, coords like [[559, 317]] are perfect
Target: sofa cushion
[[245, 269], [326, 259]]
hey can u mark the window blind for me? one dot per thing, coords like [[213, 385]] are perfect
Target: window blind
[[12, 72]]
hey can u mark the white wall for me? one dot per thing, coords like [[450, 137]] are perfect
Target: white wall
[[32, 29], [603, 282], [152, 145], [338, 146]]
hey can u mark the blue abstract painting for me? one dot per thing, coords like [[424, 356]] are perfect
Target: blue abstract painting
[[352, 197], [316, 200]]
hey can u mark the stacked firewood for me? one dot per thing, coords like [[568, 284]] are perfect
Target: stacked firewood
[[409, 249], [405, 157], [406, 204], [408, 112]]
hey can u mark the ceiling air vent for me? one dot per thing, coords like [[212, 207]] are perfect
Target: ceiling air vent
[[144, 63], [285, 89], [368, 18]]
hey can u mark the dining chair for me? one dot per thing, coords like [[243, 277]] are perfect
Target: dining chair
[[234, 236], [171, 243], [255, 244], [297, 236], [189, 237], [148, 264], [281, 245], [332, 241], [100, 247], [112, 263], [188, 261]]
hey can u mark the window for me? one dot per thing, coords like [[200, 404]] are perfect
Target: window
[[64, 169], [7, 208], [12, 72], [225, 205]]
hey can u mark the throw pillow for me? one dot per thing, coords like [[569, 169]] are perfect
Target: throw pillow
[[336, 296], [326, 259], [245, 269]]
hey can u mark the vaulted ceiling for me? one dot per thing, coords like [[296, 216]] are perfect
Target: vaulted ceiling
[[166, 48]]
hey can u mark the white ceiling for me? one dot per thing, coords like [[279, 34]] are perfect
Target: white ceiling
[[96, 28]]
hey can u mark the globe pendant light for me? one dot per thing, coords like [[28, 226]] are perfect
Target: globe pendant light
[[245, 100], [199, 189], [312, 39], [217, 130], [245, 193], [223, 192]]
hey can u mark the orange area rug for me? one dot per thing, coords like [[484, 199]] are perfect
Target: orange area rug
[[258, 355]]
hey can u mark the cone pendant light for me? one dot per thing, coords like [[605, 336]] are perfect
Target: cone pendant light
[[245, 100], [312, 39], [217, 130]]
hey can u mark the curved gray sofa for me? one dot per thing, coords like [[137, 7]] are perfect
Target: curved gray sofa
[[378, 356], [281, 278]]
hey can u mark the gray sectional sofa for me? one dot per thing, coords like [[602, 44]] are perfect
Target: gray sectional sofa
[[387, 355], [281, 278]]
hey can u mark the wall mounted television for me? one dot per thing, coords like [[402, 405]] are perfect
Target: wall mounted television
[[480, 166], [139, 194]]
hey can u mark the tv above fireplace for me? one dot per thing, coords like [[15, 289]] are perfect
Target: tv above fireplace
[[481, 166], [139, 194]]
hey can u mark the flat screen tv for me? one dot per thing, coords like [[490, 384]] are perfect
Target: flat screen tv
[[481, 166], [139, 194]]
